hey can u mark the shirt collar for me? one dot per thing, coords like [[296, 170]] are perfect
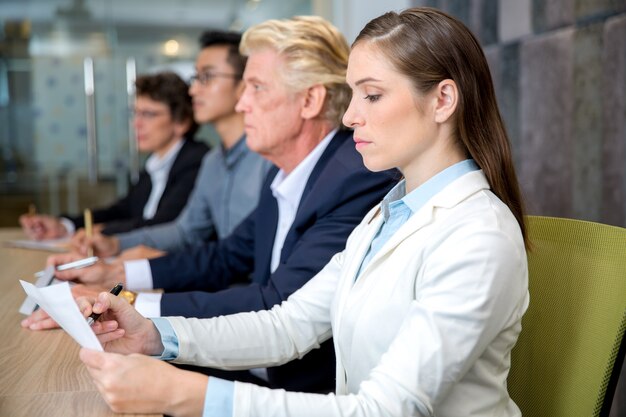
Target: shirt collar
[[232, 155], [155, 163], [416, 199], [290, 187]]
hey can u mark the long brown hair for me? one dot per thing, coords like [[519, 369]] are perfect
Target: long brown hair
[[429, 46]]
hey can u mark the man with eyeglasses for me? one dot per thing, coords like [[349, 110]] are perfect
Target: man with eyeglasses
[[164, 127], [228, 184]]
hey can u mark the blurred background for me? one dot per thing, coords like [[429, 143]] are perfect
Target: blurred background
[[67, 66], [559, 67], [63, 147]]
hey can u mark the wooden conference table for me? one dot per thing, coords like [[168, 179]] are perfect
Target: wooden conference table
[[40, 373]]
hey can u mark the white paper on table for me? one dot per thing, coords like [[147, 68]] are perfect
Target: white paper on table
[[57, 301], [46, 278], [51, 245]]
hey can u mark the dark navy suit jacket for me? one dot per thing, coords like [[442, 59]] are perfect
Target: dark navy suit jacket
[[127, 213], [338, 194]]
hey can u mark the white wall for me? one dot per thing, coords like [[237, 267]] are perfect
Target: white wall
[[351, 15]]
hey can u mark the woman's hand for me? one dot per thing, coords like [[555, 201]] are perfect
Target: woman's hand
[[143, 385], [40, 227], [121, 328]]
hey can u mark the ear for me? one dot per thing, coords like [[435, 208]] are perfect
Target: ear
[[313, 101], [447, 99]]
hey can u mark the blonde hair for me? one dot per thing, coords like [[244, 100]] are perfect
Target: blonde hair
[[314, 52]]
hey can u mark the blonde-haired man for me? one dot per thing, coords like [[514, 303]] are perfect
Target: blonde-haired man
[[294, 96]]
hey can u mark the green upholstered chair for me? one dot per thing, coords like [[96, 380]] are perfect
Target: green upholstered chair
[[570, 352]]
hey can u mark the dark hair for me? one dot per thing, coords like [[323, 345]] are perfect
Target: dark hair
[[230, 40], [168, 88], [429, 46]]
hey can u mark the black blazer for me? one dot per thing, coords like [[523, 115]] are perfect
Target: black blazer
[[338, 194], [127, 213]]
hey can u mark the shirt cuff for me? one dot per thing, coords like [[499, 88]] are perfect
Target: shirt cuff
[[168, 338], [148, 304], [138, 275], [219, 398], [69, 226]]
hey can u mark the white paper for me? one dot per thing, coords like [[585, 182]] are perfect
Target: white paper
[[51, 245], [43, 280], [57, 301]]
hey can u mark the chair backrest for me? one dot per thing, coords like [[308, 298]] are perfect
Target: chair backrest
[[570, 351]]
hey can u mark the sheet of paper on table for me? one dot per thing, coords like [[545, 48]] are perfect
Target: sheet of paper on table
[[44, 279], [51, 245], [57, 301]]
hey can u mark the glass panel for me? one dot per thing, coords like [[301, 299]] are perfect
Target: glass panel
[[44, 154]]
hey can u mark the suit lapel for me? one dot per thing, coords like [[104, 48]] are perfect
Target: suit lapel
[[266, 222], [310, 195], [337, 140]]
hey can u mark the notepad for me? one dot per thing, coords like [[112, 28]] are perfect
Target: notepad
[[57, 301]]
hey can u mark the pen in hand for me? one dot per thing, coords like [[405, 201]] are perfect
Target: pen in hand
[[94, 316], [88, 230], [35, 227]]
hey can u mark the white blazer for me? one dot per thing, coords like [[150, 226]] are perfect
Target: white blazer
[[426, 330]]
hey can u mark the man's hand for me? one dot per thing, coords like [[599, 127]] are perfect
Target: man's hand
[[141, 385], [63, 258], [102, 245], [41, 227], [99, 275], [40, 320], [141, 252]]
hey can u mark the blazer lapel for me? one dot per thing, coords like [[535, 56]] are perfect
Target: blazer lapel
[[266, 220], [310, 195], [337, 140], [449, 197]]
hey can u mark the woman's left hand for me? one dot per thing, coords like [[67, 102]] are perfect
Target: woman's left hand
[[143, 385]]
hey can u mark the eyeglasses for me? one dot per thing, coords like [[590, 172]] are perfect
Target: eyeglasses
[[146, 114], [204, 78]]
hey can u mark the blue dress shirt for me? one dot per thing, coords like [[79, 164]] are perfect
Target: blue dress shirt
[[397, 206], [218, 400]]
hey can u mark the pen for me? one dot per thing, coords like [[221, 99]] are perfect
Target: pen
[[94, 316], [81, 263], [32, 212], [88, 230]]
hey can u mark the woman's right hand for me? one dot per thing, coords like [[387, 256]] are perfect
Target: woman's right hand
[[42, 226], [121, 328]]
